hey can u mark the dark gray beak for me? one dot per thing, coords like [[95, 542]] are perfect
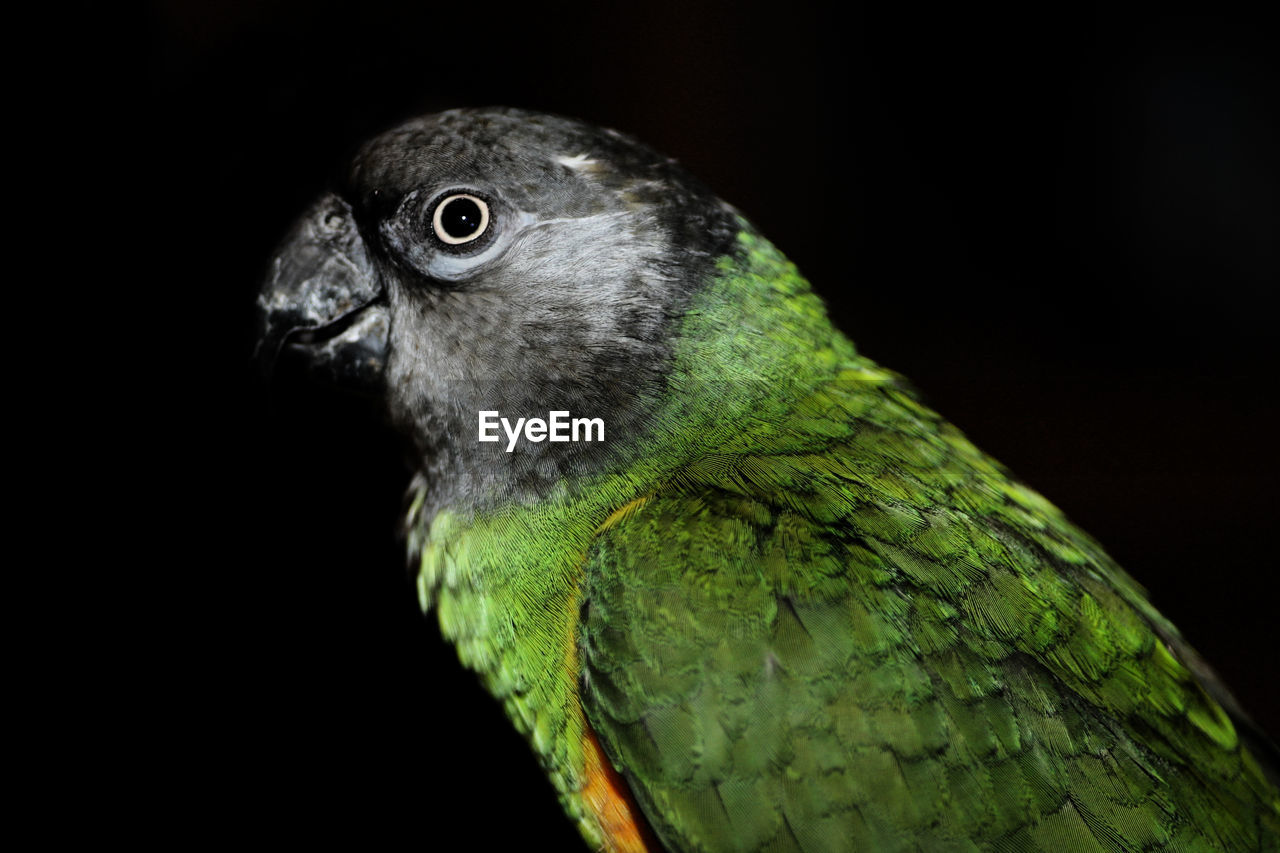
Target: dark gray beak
[[323, 300]]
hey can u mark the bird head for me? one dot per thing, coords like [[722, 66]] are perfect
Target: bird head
[[500, 260]]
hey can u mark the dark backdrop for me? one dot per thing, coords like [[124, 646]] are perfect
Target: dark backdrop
[[1061, 224]]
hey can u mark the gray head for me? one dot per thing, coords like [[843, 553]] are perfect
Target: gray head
[[497, 259]]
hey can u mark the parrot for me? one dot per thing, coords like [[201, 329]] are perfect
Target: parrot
[[737, 586]]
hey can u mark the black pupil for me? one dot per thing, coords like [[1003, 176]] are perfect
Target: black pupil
[[460, 218]]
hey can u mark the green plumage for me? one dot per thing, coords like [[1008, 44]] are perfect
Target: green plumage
[[831, 623]]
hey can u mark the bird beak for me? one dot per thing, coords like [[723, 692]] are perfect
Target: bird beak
[[323, 300]]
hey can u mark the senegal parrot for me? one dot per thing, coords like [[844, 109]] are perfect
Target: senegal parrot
[[736, 585]]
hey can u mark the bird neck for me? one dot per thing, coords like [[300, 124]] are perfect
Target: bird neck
[[504, 578]]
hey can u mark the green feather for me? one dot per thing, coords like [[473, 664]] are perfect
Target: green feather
[[826, 621]]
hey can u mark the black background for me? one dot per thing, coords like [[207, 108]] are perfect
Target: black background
[[1062, 225]]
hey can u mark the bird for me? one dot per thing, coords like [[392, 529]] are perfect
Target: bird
[[737, 585]]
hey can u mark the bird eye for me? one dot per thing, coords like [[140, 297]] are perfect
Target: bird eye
[[460, 218]]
